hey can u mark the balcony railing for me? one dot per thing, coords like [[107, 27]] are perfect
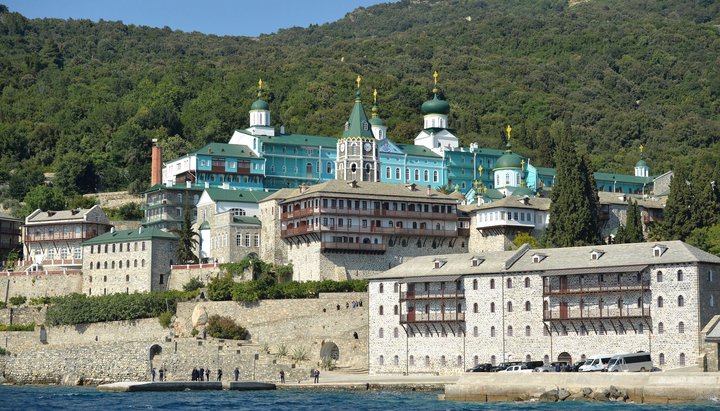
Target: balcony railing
[[596, 313], [432, 295], [371, 212], [58, 236], [355, 229], [55, 261], [353, 246], [595, 289], [431, 317]]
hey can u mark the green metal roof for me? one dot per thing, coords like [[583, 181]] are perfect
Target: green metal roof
[[493, 194], [246, 196], [621, 178], [641, 163], [246, 220], [435, 106], [204, 226], [523, 191], [300, 140], [158, 187], [508, 160], [223, 149], [420, 151], [358, 124], [122, 236], [260, 104]]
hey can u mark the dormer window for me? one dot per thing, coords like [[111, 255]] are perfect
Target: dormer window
[[596, 254], [536, 258], [659, 250], [476, 261], [438, 263]]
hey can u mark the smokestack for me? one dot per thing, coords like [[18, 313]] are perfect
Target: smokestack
[[156, 169], [429, 190]]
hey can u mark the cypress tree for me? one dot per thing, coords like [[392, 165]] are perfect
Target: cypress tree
[[633, 225], [680, 210], [187, 240], [574, 208]]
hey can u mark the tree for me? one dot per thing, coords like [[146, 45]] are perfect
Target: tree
[[187, 240], [526, 238], [76, 174], [44, 198], [680, 218], [573, 212], [633, 224]]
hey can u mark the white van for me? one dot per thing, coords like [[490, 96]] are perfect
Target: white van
[[596, 363], [639, 361]]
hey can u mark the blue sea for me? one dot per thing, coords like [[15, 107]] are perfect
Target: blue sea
[[31, 397]]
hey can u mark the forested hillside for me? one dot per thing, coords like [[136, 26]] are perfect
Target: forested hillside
[[84, 99]]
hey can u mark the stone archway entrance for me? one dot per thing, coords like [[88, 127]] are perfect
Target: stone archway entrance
[[565, 357], [330, 350], [154, 350]]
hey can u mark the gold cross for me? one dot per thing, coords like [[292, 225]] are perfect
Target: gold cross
[[375, 96], [508, 129], [641, 148], [435, 77], [260, 83], [522, 165], [358, 80]]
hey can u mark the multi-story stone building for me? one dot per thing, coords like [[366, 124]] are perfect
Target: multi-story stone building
[[164, 205], [9, 236], [342, 229], [228, 224], [54, 238], [128, 261], [446, 313]]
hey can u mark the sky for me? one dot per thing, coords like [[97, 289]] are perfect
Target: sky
[[220, 17]]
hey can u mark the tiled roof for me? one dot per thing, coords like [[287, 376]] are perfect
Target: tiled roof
[[366, 189], [223, 149], [7, 217], [138, 234], [77, 214], [246, 220], [300, 140]]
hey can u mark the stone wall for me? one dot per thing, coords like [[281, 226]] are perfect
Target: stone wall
[[22, 315], [115, 199], [39, 284], [272, 247], [181, 274]]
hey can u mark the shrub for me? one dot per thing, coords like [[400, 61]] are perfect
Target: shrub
[[165, 319], [282, 350], [299, 354], [2, 304], [221, 288], [17, 300], [40, 300], [4, 352], [18, 327], [226, 328], [194, 332], [193, 284]]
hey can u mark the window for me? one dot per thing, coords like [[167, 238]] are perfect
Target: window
[[659, 277], [681, 327], [397, 173], [381, 360], [492, 307], [493, 360], [475, 284], [427, 360], [476, 360], [527, 282], [387, 173], [475, 307], [509, 283], [381, 310], [396, 333], [660, 302], [396, 360], [527, 330], [426, 175], [682, 359], [492, 284], [411, 360], [395, 310], [492, 331], [509, 331], [509, 306], [162, 278], [435, 176], [641, 328], [680, 275], [442, 360], [256, 240], [661, 328], [527, 305], [381, 333], [681, 301], [662, 358], [382, 288], [396, 287], [475, 331]]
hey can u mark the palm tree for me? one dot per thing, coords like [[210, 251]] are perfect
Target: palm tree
[[187, 240]]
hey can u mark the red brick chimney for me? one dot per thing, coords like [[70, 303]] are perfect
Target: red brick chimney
[[156, 170]]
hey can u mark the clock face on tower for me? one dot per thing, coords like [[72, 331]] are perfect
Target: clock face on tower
[[342, 147], [367, 146]]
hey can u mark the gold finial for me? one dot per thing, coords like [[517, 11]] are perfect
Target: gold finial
[[457, 187], [508, 129], [435, 77], [374, 96], [522, 164], [260, 83], [641, 148], [480, 170], [358, 80]]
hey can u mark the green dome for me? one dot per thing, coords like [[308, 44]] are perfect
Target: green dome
[[260, 104], [435, 106], [509, 160], [641, 163], [377, 121]]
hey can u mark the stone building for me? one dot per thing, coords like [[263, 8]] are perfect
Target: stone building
[[446, 313], [9, 236], [164, 204], [341, 229], [52, 239], [128, 261]]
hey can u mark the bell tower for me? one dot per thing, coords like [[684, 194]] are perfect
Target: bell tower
[[357, 154]]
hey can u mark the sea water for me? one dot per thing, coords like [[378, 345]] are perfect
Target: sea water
[[32, 397]]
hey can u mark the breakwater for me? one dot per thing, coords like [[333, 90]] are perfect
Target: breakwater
[[652, 388]]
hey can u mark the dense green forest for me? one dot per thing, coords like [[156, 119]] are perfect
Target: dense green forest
[[84, 99]]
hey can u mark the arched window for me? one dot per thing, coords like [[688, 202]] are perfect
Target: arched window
[[142, 262], [509, 306], [509, 331], [527, 305], [661, 328], [546, 306], [381, 333], [127, 277], [112, 264], [528, 358], [681, 327], [492, 331], [475, 307], [427, 360], [382, 288], [417, 174], [411, 360], [639, 302], [396, 360], [712, 301], [381, 310], [662, 358], [681, 301], [492, 284], [442, 361], [475, 284], [396, 287], [660, 302], [459, 360], [120, 264], [509, 283], [387, 173], [546, 358], [435, 176], [659, 277], [493, 360], [381, 360], [641, 328], [680, 275], [492, 307], [396, 310], [476, 360], [475, 331], [527, 282], [397, 173], [426, 175], [105, 265], [527, 330], [396, 332], [97, 265], [682, 359], [583, 357]]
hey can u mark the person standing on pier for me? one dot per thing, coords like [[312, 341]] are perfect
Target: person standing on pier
[[152, 373], [201, 374], [317, 376], [282, 377], [207, 374], [219, 374], [237, 373], [162, 374]]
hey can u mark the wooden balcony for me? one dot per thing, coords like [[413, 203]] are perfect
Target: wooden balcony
[[595, 289], [355, 229], [353, 247], [414, 318], [607, 313], [432, 295], [369, 212], [58, 236]]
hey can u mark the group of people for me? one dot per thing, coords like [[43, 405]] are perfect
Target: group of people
[[203, 374], [162, 374], [315, 375]]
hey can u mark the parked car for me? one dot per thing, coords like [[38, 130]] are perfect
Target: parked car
[[504, 365], [486, 367], [576, 367], [533, 364], [517, 368], [639, 361], [596, 363], [552, 367]]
